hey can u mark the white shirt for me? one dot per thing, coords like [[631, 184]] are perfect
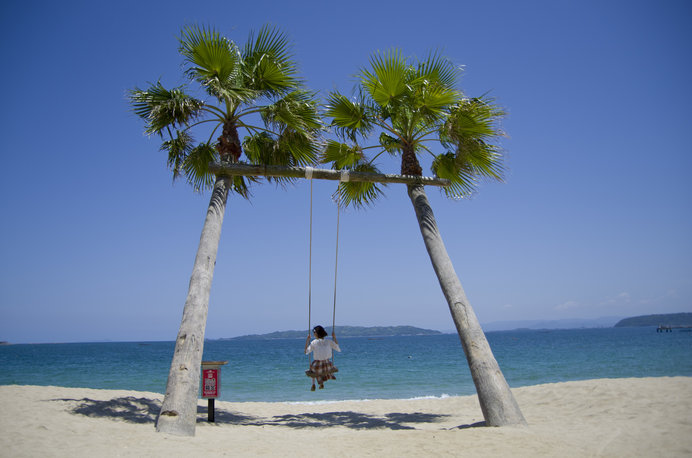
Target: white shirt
[[322, 348]]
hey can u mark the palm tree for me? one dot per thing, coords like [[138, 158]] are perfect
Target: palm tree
[[412, 105], [254, 90]]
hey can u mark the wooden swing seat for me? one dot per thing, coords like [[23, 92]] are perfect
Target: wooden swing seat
[[311, 374]]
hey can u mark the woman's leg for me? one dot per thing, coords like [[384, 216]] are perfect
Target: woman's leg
[[311, 374]]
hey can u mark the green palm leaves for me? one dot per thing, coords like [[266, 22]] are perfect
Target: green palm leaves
[[210, 59], [402, 107], [423, 90], [412, 104], [254, 90], [468, 131], [163, 108]]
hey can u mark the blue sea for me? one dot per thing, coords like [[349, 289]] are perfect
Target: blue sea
[[369, 368]]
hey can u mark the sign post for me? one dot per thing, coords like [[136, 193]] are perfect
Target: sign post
[[211, 384]]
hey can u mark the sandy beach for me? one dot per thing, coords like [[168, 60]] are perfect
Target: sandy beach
[[604, 417]]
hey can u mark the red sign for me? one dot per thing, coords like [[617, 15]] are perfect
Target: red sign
[[210, 383]]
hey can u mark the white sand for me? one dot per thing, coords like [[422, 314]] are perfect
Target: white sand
[[606, 417]]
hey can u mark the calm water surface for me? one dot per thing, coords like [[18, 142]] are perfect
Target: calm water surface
[[380, 368]]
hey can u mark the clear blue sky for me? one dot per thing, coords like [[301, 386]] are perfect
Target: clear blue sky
[[595, 217]]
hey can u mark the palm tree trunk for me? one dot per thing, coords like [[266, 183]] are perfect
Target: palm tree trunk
[[496, 399], [229, 146], [179, 410]]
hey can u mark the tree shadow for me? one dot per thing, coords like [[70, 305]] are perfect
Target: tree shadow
[[143, 410], [130, 408], [424, 211], [480, 424], [348, 419]]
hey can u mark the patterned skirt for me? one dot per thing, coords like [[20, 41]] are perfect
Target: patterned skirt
[[322, 370]]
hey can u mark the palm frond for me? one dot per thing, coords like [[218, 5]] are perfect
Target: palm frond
[[240, 186], [430, 92], [387, 80], [268, 63], [467, 167], [304, 148], [161, 108], [269, 41], [471, 119], [359, 194], [210, 58], [463, 181], [296, 110], [259, 148], [196, 166], [486, 161], [431, 101], [177, 148], [291, 148], [438, 70], [470, 128], [228, 91], [341, 155], [349, 118], [390, 144]]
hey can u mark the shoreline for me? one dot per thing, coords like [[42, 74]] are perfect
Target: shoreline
[[603, 417], [443, 396]]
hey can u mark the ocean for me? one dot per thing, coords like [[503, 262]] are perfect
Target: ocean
[[369, 368]]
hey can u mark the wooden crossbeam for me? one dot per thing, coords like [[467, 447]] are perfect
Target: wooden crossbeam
[[321, 174]]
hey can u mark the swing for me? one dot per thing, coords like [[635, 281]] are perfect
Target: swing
[[344, 178]]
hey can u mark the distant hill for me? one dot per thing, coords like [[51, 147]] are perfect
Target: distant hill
[[603, 322], [345, 331], [669, 319]]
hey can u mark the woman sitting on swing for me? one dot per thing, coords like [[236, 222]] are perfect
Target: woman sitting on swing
[[321, 368]]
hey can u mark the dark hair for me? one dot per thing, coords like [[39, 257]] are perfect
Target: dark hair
[[319, 330]]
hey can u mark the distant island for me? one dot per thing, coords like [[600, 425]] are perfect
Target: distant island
[[668, 320], [572, 323], [345, 331]]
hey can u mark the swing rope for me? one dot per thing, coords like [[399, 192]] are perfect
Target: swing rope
[[308, 175], [344, 178], [336, 264]]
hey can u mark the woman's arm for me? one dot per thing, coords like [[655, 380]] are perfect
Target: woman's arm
[[307, 342]]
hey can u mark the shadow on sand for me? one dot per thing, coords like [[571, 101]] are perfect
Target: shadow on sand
[[144, 410], [129, 409]]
